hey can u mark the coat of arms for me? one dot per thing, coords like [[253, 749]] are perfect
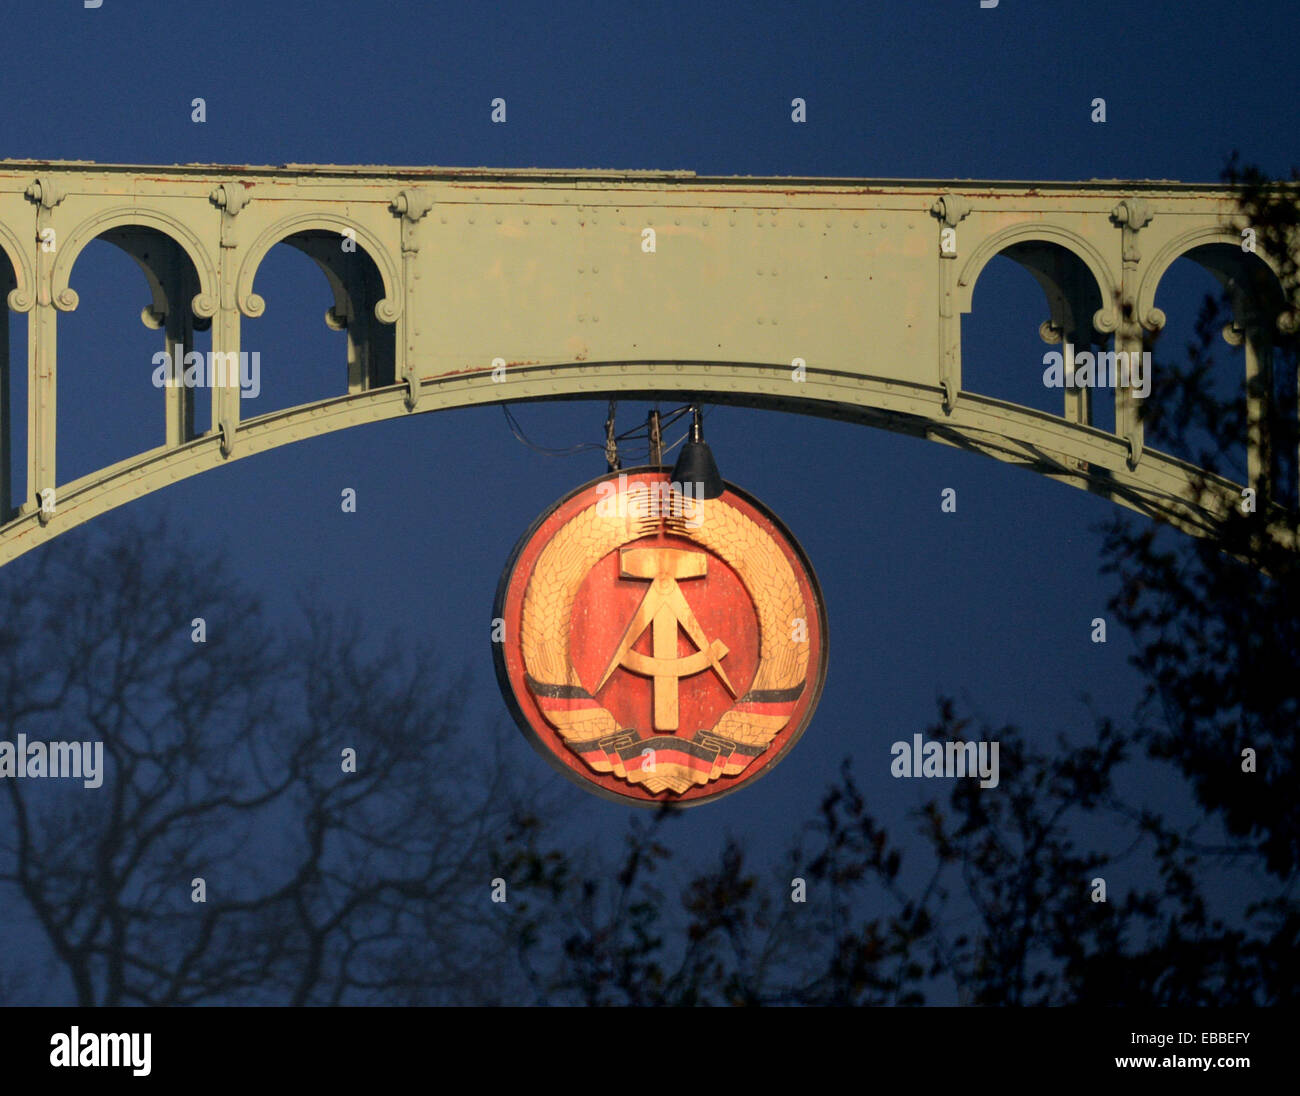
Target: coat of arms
[[658, 645]]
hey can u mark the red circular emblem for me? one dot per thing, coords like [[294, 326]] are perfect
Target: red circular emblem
[[657, 646]]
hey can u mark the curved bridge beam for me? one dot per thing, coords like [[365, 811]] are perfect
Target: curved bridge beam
[[1082, 457], [831, 297]]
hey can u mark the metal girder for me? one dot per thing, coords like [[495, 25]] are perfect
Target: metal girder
[[830, 297]]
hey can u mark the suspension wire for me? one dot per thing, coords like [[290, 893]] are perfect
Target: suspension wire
[[520, 436], [669, 448], [673, 416], [641, 430], [610, 445]]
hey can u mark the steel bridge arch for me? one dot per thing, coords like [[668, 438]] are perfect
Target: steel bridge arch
[[1088, 458], [493, 286]]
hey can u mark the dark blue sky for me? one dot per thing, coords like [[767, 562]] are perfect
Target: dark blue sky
[[992, 604]]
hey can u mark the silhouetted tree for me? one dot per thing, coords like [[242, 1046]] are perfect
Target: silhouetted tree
[[225, 761], [1217, 621]]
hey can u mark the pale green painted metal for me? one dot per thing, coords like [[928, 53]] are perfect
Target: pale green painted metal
[[546, 274]]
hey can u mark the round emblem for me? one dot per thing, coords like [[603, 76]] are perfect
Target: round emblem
[[655, 645]]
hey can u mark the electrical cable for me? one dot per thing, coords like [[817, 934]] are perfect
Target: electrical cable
[[641, 432], [545, 451]]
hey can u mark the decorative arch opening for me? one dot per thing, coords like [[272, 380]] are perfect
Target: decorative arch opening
[[116, 377], [1009, 359], [1226, 379], [290, 350]]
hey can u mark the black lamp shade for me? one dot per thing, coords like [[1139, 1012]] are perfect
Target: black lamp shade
[[696, 465]]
